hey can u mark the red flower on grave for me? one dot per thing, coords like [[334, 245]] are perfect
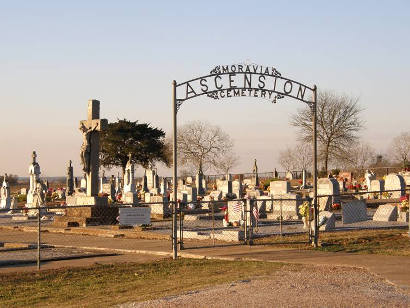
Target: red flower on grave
[[336, 206]]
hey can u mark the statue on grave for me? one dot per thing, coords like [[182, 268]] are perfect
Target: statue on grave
[[86, 146], [255, 167], [127, 179], [39, 196], [4, 191], [70, 179]]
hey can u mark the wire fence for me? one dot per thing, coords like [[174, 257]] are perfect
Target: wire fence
[[32, 236]]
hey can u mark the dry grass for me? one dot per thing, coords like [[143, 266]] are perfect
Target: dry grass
[[106, 285], [386, 242]]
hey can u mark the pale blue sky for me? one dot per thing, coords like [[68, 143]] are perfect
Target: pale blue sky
[[56, 55]]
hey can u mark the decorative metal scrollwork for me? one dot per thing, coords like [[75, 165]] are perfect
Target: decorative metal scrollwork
[[278, 96], [216, 70], [179, 103], [213, 95]]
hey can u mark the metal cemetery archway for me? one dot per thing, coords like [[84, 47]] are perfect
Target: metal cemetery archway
[[239, 80]]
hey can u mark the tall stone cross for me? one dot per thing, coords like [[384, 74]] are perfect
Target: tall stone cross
[[90, 148]]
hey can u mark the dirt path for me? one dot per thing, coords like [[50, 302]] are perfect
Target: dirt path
[[316, 286]]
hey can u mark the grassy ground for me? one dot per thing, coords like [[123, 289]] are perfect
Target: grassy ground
[[387, 242], [105, 285]]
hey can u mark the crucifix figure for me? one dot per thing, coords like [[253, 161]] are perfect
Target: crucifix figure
[[91, 129]]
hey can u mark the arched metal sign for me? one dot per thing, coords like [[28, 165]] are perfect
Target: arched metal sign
[[243, 80]]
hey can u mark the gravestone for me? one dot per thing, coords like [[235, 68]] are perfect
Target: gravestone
[[287, 205], [304, 183], [191, 193], [164, 187], [103, 180], [34, 174], [199, 182], [5, 202], [152, 178], [395, 182], [345, 176], [255, 176], [118, 184], [70, 179], [406, 177], [159, 207], [135, 216], [289, 176], [377, 186], [130, 192], [237, 188], [327, 187], [264, 204], [386, 212], [354, 211], [83, 183], [279, 188], [225, 187], [144, 185], [254, 193], [235, 211], [90, 148], [327, 221], [369, 176], [98, 211]]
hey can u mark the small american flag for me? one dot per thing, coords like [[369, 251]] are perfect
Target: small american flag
[[237, 207], [256, 213]]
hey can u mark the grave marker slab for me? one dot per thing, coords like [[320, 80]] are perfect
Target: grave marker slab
[[135, 216], [386, 212], [395, 182], [354, 211]]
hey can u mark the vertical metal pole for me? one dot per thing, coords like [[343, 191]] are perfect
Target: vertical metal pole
[[38, 239], [181, 226], [174, 186], [315, 205], [251, 218], [281, 219], [245, 228]]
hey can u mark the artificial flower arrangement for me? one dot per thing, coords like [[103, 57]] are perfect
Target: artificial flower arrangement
[[404, 205], [386, 195], [336, 206], [304, 210]]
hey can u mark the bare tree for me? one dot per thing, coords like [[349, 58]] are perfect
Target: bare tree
[[400, 148], [338, 125], [361, 156], [202, 144], [297, 158], [286, 159], [227, 162]]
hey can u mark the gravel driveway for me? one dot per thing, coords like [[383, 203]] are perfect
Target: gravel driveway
[[315, 286]]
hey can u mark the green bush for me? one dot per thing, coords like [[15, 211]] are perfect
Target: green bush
[[21, 198]]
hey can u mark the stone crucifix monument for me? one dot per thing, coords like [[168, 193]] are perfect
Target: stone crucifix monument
[[95, 210], [89, 155]]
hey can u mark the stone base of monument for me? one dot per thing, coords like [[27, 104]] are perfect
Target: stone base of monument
[[403, 217], [86, 200], [130, 198], [87, 216]]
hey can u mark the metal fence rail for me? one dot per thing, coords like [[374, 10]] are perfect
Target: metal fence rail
[[27, 236]]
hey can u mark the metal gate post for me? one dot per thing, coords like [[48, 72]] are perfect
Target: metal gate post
[[174, 156], [181, 227], [245, 219], [251, 205], [315, 205], [38, 239]]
